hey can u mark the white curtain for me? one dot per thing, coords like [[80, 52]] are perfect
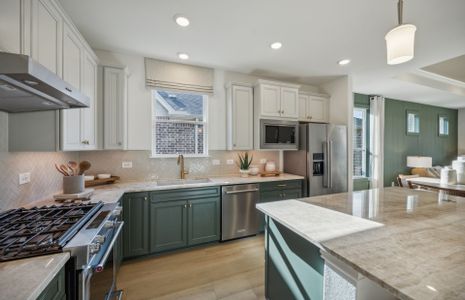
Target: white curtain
[[377, 141], [178, 77]]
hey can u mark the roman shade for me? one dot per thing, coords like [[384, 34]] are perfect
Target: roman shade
[[171, 76]]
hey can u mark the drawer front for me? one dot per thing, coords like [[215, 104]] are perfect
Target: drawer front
[[184, 194], [281, 185]]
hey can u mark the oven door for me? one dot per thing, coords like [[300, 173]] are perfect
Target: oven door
[[101, 278], [276, 134]]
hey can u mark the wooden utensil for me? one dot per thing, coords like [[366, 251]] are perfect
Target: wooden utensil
[[61, 171], [84, 166], [74, 167], [65, 170]]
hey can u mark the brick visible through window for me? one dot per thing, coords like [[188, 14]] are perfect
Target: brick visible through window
[[179, 123]]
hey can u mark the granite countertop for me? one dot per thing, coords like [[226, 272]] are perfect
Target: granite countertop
[[25, 279], [415, 247]]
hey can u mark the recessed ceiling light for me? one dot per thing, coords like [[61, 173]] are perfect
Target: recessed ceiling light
[[276, 45], [181, 20], [183, 56], [344, 62]]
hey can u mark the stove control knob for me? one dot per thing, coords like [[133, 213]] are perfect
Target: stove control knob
[[109, 224], [94, 248], [99, 239], [117, 211]]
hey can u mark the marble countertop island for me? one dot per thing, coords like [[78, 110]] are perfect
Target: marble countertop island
[[407, 241]]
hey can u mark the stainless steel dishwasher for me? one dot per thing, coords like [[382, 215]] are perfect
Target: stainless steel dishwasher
[[238, 212]]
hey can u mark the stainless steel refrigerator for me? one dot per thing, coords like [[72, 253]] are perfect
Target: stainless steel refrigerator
[[321, 158]]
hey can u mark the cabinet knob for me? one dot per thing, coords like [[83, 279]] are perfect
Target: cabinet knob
[[185, 205], [190, 204], [145, 198]]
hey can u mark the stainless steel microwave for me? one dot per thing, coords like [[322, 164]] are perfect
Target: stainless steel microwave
[[278, 134]]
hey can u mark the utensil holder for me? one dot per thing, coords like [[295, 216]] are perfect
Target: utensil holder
[[73, 184]]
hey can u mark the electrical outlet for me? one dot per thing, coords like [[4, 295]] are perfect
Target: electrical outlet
[[263, 161], [230, 162], [216, 162], [24, 178], [126, 164]]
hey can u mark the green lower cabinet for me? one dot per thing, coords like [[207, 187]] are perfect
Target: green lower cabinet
[[56, 288], [185, 217], [204, 220], [168, 225], [136, 224], [276, 191]]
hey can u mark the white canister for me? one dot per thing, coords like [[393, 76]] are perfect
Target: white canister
[[270, 166], [448, 176], [459, 167], [253, 170]]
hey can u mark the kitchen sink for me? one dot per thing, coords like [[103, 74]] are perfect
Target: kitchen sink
[[164, 182]]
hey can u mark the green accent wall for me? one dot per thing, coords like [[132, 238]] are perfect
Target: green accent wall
[[398, 145]]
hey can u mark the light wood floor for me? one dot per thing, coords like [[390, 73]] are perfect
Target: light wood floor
[[231, 270]]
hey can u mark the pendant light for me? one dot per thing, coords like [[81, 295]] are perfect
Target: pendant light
[[400, 41]]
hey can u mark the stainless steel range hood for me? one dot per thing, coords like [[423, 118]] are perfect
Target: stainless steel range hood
[[26, 85]]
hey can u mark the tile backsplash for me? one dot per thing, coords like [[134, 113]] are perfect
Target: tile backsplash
[[146, 168], [46, 181]]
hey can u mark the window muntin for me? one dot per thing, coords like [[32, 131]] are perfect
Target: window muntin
[[179, 124]]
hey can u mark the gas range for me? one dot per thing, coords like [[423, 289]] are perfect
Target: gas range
[[41, 230], [90, 232]]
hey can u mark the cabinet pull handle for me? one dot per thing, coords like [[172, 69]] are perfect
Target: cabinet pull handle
[[281, 185], [145, 198], [185, 205], [190, 205]]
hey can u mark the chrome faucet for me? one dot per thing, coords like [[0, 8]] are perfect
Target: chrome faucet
[[182, 172]]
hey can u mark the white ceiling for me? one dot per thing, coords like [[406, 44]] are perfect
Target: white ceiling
[[235, 35]]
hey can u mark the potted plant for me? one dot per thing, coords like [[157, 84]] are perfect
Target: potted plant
[[244, 163]]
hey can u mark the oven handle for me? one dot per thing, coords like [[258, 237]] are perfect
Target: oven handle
[[100, 266]]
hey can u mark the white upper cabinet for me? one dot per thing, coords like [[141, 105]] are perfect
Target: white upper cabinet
[[42, 30], [276, 100], [239, 117], [10, 26], [270, 100], [89, 115], [289, 103], [313, 108], [46, 41], [114, 108]]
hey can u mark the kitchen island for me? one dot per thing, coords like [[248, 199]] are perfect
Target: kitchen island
[[377, 244]]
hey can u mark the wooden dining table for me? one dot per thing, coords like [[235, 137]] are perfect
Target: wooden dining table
[[435, 184]]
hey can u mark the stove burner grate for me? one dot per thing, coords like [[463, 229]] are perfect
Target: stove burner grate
[[41, 230]]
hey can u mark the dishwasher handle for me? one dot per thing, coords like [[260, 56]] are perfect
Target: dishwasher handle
[[242, 191]]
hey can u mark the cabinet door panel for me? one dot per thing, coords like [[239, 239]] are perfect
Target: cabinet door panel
[[242, 118], [168, 225], [204, 221], [10, 26], [318, 109], [72, 60], [46, 35], [303, 99], [136, 224], [89, 115], [289, 102], [270, 100], [114, 107]]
